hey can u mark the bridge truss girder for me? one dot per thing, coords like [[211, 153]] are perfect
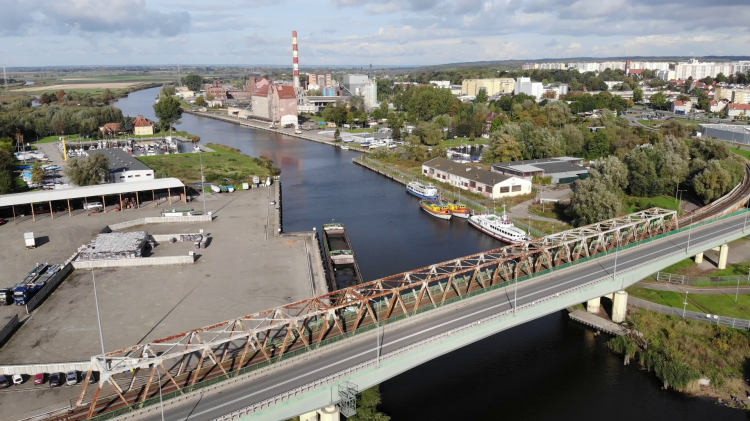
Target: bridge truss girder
[[267, 335]]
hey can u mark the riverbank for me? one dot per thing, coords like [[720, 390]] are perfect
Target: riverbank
[[263, 125], [685, 355]]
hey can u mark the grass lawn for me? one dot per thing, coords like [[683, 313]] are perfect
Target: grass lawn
[[464, 141], [741, 152], [359, 130], [56, 138], [226, 162], [635, 204], [721, 304]]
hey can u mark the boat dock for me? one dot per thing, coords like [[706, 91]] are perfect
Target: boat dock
[[598, 323]]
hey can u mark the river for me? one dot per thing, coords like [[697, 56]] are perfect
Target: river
[[548, 369]]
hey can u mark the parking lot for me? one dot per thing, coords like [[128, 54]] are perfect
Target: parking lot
[[240, 272]]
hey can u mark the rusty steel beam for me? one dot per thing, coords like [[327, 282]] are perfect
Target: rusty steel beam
[[270, 333]]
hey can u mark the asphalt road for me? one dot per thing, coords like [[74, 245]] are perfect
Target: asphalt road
[[243, 395], [665, 286]]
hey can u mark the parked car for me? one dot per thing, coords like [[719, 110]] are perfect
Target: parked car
[[17, 379], [71, 378], [94, 206], [39, 378], [4, 382], [56, 379], [2, 221]]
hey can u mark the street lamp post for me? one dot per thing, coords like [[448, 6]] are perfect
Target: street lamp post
[[161, 400], [684, 305], [98, 318], [690, 230], [744, 224], [203, 181], [515, 295]]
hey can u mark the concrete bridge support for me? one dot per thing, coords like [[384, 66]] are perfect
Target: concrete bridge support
[[723, 254], [329, 413], [699, 258], [619, 306], [592, 305]]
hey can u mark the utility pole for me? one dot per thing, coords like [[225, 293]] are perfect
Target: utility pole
[[98, 318], [203, 181], [685, 305]]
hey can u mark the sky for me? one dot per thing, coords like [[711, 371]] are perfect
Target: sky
[[360, 32]]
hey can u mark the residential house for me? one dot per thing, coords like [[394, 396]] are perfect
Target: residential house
[[486, 183], [738, 110], [143, 126], [681, 107], [717, 106], [111, 129]]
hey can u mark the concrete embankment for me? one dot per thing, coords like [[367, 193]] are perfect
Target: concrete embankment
[[597, 322], [263, 125]]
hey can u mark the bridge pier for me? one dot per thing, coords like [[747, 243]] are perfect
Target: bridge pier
[[592, 305], [619, 306], [723, 254], [329, 413], [699, 258]]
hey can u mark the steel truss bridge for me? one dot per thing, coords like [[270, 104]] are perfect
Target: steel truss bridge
[[185, 361]]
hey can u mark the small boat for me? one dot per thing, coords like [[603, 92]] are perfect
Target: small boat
[[459, 209], [499, 227], [436, 209], [345, 147], [422, 191]]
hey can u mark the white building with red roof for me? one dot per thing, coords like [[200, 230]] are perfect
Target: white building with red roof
[[738, 110], [682, 107], [143, 126]]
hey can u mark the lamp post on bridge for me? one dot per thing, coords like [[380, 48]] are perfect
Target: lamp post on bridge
[[690, 230], [744, 224], [161, 400]]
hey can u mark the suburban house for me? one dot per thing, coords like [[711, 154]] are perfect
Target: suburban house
[[123, 167], [562, 170], [738, 110], [110, 129], [143, 126], [681, 107], [476, 180], [717, 106]]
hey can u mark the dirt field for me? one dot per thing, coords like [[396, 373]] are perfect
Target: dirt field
[[97, 85]]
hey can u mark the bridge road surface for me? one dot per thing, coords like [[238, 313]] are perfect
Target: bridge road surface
[[219, 404]]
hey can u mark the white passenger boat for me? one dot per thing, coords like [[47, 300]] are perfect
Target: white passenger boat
[[423, 191], [345, 147], [499, 227]]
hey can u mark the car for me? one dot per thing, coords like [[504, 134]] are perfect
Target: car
[[2, 221], [17, 379], [39, 378], [4, 382], [94, 206], [71, 378], [56, 379]]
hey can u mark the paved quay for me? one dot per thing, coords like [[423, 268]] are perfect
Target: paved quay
[[248, 266]]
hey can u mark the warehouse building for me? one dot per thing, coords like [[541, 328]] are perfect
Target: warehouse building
[[562, 170], [727, 132], [123, 167], [476, 180]]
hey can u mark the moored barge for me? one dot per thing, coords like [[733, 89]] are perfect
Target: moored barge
[[343, 270]]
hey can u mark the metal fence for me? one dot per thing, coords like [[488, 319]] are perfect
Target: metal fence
[[703, 281], [8, 330], [692, 315], [53, 282]]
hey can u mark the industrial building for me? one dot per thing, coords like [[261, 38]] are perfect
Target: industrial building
[[315, 81], [476, 180], [123, 167], [562, 170], [727, 132], [275, 102], [495, 86]]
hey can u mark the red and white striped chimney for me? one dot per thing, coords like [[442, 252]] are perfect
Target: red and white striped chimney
[[296, 59]]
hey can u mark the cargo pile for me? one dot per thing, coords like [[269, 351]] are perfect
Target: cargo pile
[[115, 245]]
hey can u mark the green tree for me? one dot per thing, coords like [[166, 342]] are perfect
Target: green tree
[[713, 182], [37, 174], [673, 160], [643, 178], [6, 182], [594, 200], [573, 140], [396, 133], [502, 148], [337, 135], [367, 406], [89, 170], [193, 82], [481, 97], [598, 146], [200, 101], [167, 90], [637, 95], [430, 133], [558, 113], [659, 100], [611, 171], [168, 111]]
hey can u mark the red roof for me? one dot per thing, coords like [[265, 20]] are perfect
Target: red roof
[[261, 91], [286, 92], [142, 121], [681, 103], [744, 107], [636, 71], [111, 127]]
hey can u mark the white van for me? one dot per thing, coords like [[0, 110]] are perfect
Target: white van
[[94, 206]]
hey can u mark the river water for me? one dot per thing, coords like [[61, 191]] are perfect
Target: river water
[[548, 369]]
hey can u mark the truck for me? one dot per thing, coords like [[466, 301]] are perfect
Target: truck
[[30, 240], [6, 296], [34, 281]]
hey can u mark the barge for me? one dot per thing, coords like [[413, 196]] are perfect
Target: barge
[[343, 270]]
